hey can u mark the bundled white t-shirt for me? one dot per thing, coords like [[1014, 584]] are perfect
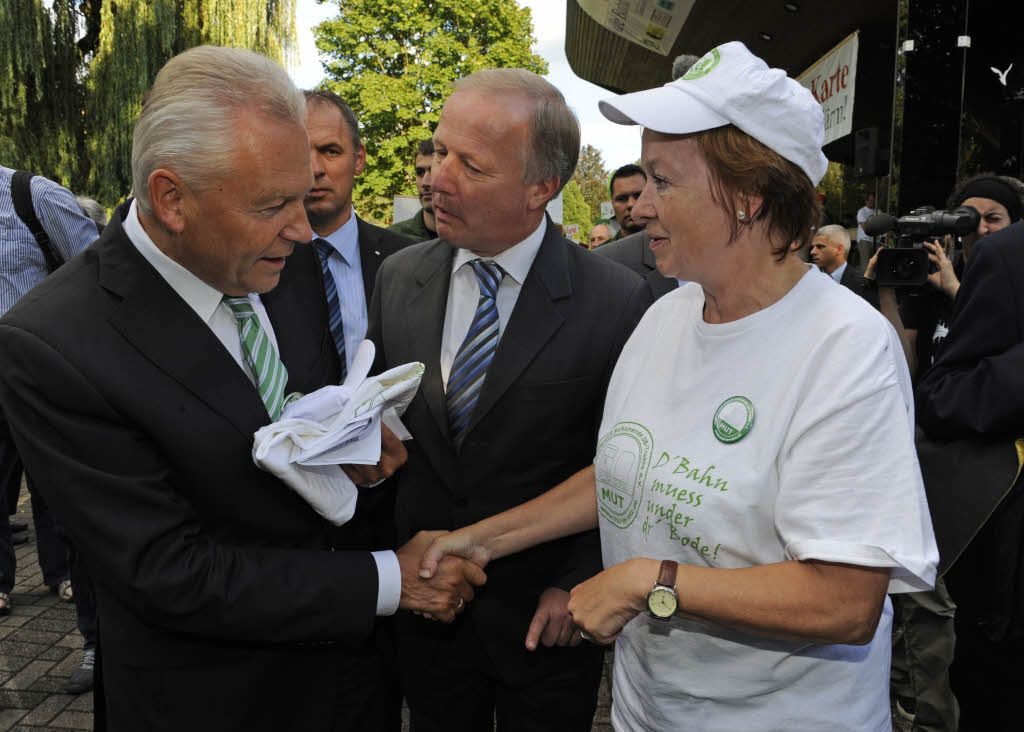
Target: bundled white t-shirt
[[787, 434]]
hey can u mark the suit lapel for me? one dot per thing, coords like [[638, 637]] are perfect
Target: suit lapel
[[161, 326], [659, 283], [370, 256], [425, 322], [535, 319]]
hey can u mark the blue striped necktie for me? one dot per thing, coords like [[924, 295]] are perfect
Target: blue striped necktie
[[268, 372], [476, 352], [324, 249]]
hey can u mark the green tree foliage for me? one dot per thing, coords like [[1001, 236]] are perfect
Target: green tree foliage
[[393, 61], [40, 97], [592, 178], [68, 100], [844, 194], [575, 209]]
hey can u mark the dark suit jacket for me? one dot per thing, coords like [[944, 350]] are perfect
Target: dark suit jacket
[[219, 604], [376, 245], [633, 251], [535, 423], [974, 394], [852, 280]]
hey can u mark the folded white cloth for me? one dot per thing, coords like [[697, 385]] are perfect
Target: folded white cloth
[[333, 426]]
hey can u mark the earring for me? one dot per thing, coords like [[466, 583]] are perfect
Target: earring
[[741, 215]]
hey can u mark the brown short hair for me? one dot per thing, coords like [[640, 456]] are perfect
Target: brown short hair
[[739, 165], [424, 147]]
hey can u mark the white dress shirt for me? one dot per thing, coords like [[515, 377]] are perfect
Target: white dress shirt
[[464, 293], [209, 305], [837, 273]]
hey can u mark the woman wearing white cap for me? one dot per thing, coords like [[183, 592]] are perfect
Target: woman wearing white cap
[[755, 483]]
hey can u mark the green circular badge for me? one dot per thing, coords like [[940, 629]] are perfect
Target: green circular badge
[[707, 62], [733, 419]]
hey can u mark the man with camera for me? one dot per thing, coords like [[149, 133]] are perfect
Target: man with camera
[[921, 662]]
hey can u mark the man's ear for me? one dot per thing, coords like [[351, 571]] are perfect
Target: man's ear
[[541, 192], [167, 199], [360, 159]]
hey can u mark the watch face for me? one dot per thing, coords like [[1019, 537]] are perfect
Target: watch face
[[662, 602]]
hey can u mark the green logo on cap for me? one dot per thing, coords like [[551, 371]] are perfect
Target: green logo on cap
[[707, 62], [733, 419]]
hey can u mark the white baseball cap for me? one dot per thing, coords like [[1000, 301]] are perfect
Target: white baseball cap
[[727, 85]]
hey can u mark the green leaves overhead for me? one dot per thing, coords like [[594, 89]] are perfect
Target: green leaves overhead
[[393, 61], [68, 101]]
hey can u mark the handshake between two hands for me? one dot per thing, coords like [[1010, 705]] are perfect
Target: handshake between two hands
[[440, 571]]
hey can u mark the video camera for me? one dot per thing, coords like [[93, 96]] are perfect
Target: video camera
[[907, 263]]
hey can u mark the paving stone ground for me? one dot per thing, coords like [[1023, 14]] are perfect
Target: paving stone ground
[[39, 648]]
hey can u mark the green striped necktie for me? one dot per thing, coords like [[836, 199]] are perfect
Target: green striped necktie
[[267, 370]]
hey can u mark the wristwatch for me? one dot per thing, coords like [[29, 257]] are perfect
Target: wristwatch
[[661, 600]]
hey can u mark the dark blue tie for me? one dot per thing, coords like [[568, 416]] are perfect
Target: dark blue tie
[[324, 249], [476, 352]]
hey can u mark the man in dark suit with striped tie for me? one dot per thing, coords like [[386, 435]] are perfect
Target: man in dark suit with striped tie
[[133, 380], [350, 252], [519, 330]]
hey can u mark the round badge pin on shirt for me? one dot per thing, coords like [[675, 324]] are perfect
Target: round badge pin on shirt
[[733, 419]]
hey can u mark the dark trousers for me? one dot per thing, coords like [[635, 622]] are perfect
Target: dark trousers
[[53, 553], [987, 678], [85, 598], [923, 654], [369, 690], [459, 689]]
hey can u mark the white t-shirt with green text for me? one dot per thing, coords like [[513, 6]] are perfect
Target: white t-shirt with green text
[[787, 434]]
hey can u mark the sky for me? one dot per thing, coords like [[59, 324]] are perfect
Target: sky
[[618, 144]]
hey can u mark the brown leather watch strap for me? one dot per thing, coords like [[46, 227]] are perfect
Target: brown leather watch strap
[[667, 575]]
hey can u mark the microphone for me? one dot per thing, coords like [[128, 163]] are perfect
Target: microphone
[[879, 224]]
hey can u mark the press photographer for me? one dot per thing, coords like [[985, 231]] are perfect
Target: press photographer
[[921, 319]]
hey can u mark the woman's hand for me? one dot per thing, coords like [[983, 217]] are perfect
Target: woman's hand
[[467, 542], [944, 280], [603, 604]]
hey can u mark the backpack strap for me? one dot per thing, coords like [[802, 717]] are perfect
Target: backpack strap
[[21, 194]]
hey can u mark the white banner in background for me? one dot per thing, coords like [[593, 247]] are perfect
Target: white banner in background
[[654, 24], [831, 81]]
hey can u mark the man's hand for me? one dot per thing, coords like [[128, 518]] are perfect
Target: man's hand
[[463, 543], [392, 457], [552, 624], [447, 593], [869, 271]]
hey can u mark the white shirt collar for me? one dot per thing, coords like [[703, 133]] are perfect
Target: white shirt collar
[[345, 239], [837, 273], [200, 296], [516, 260]]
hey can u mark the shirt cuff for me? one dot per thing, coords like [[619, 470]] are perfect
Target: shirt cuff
[[389, 582]]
